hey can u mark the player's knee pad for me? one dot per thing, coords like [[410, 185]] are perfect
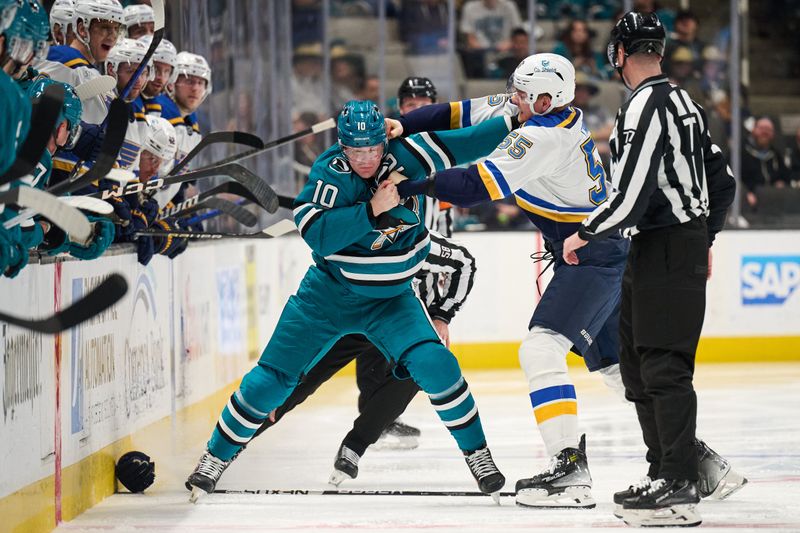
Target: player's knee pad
[[543, 355], [613, 379], [432, 366]]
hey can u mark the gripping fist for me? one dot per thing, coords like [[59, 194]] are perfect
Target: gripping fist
[[385, 198]]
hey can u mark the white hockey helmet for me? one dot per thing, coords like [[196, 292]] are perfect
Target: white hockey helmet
[[89, 10], [546, 73], [189, 64], [165, 51], [138, 14], [162, 141], [128, 51], [63, 14]]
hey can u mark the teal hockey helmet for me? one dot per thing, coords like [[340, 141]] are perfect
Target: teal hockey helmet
[[360, 123], [28, 33], [71, 110]]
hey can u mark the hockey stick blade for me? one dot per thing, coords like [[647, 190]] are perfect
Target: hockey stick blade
[[216, 137], [316, 128], [73, 222], [223, 207], [115, 135], [109, 292], [276, 230], [99, 86], [43, 120], [229, 187], [339, 492], [94, 205]]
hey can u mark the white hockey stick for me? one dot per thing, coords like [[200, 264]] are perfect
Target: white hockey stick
[[86, 203], [73, 222], [99, 86]]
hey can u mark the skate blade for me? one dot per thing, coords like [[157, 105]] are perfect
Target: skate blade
[[337, 477], [575, 497], [496, 497], [618, 510], [674, 516], [396, 443], [197, 493], [732, 482]]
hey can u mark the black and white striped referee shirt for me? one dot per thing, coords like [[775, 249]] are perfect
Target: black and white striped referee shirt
[[446, 278], [664, 168]]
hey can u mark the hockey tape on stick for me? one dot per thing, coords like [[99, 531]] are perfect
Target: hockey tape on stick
[[99, 86], [316, 128], [216, 137], [115, 135], [337, 492], [44, 115], [120, 175], [109, 292], [85, 203], [158, 35], [73, 222], [276, 230]]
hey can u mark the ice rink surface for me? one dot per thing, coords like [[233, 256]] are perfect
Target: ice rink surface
[[749, 413]]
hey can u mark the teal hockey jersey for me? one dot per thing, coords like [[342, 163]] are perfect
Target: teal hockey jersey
[[331, 211]]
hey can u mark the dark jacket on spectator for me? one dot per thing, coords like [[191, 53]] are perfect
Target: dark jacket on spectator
[[762, 167]]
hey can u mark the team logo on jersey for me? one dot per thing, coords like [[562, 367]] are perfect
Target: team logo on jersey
[[408, 216], [340, 165]]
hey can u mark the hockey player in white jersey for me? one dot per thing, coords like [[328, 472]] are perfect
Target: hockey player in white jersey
[[62, 25], [98, 26], [191, 85], [551, 167], [139, 20], [164, 61]]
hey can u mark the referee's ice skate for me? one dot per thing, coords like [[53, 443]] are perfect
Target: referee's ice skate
[[666, 502], [566, 482], [717, 479], [345, 466], [398, 436]]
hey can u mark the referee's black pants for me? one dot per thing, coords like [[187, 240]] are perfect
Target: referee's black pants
[[662, 310], [382, 397]]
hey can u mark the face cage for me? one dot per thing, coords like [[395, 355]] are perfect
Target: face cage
[[21, 51], [74, 135], [7, 16]]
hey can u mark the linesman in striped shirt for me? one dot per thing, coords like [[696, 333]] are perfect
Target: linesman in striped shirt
[[671, 191]]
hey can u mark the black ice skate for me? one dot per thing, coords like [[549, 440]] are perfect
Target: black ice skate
[[490, 479], [717, 479], [398, 436], [205, 476], [667, 502], [566, 482], [630, 492], [345, 466]]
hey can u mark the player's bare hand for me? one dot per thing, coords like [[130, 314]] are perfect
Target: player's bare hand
[[395, 177], [272, 415], [443, 329], [393, 128], [571, 245], [385, 198]]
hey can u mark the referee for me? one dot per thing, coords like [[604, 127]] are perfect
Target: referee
[[671, 191]]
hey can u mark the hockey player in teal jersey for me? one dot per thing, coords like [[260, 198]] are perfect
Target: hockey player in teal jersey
[[366, 249]]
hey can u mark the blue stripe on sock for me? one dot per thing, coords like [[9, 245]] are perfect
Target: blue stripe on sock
[[550, 394]]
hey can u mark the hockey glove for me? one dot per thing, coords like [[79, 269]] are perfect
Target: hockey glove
[[101, 240], [145, 249]]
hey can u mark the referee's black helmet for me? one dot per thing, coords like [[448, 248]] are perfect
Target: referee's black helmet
[[417, 86], [638, 33]]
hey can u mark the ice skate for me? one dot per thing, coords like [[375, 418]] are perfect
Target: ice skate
[[630, 492], [398, 436], [345, 466], [666, 502], [205, 476], [490, 479], [717, 479], [566, 482]]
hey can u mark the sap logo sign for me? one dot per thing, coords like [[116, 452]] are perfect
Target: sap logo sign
[[769, 280]]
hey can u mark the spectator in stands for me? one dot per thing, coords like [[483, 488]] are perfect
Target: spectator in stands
[[574, 9], [762, 165], [576, 45], [423, 26], [682, 72], [347, 75], [487, 26], [306, 149], [714, 84], [666, 16], [520, 49], [685, 36], [307, 90], [371, 89], [598, 120], [306, 22], [793, 159]]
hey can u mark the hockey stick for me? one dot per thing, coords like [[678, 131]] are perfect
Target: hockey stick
[[43, 120], [109, 292], [340, 492], [158, 35], [78, 202], [316, 128], [99, 86], [115, 135], [215, 137], [276, 230], [223, 207], [73, 222], [229, 187], [263, 193]]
